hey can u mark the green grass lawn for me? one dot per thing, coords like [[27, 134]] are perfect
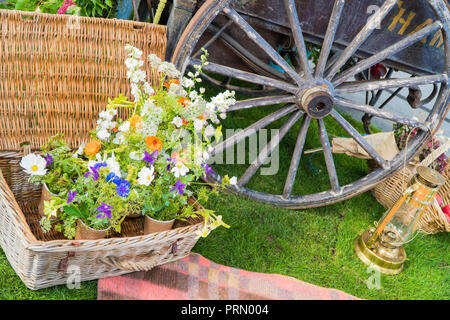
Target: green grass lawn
[[314, 245]]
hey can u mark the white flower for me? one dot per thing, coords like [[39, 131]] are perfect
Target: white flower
[[136, 76], [202, 90], [177, 121], [103, 135], [233, 181], [187, 83], [148, 106], [113, 165], [148, 89], [80, 150], [198, 124], [154, 60], [179, 169], [209, 131], [135, 92], [108, 114], [132, 63], [119, 139], [146, 176], [124, 127], [34, 165], [98, 159], [133, 52], [135, 155]]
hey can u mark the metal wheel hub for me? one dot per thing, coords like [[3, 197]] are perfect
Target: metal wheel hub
[[316, 101]]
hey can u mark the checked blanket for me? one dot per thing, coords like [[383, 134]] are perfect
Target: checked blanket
[[197, 278]]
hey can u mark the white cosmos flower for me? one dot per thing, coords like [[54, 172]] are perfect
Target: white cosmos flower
[[34, 165], [146, 176], [108, 114], [179, 169], [177, 121], [233, 181]]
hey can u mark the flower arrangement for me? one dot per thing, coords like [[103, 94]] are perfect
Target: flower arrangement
[[148, 163], [403, 134]]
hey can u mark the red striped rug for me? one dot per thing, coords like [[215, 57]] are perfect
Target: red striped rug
[[197, 278]]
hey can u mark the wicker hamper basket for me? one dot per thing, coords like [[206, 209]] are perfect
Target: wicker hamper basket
[[56, 73], [390, 190]]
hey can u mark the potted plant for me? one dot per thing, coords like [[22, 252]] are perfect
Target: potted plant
[[147, 163]]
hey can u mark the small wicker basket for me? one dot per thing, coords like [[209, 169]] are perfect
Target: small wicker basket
[[390, 190], [56, 73]]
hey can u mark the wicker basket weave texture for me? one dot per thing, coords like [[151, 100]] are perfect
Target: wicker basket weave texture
[[390, 190], [56, 74]]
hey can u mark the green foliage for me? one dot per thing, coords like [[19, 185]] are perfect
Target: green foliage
[[97, 8]]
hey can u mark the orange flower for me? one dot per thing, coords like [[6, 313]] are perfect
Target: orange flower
[[153, 143], [202, 117], [185, 123], [92, 148], [168, 84], [115, 129], [136, 121], [184, 101]]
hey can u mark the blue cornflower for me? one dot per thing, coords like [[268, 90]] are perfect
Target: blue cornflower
[[99, 165], [123, 188], [112, 177]]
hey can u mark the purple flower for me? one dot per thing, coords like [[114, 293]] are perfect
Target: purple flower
[[179, 186], [93, 172], [49, 159], [71, 196], [208, 169], [150, 158], [105, 211], [123, 188]]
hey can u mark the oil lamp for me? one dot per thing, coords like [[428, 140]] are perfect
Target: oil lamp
[[381, 247]]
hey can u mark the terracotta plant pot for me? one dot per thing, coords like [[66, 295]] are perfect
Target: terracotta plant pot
[[45, 196], [151, 225], [86, 233]]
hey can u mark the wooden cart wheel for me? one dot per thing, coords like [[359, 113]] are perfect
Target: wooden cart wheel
[[310, 95]]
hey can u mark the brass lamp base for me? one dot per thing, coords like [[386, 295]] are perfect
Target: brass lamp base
[[383, 259]]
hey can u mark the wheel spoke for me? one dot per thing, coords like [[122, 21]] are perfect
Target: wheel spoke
[[259, 102], [381, 113], [328, 156], [371, 85], [214, 38], [360, 140], [329, 37], [388, 52], [236, 138], [246, 76], [268, 149], [362, 36], [298, 36], [296, 156], [263, 44], [254, 62]]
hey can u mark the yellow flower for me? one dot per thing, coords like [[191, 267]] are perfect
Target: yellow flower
[[136, 122]]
